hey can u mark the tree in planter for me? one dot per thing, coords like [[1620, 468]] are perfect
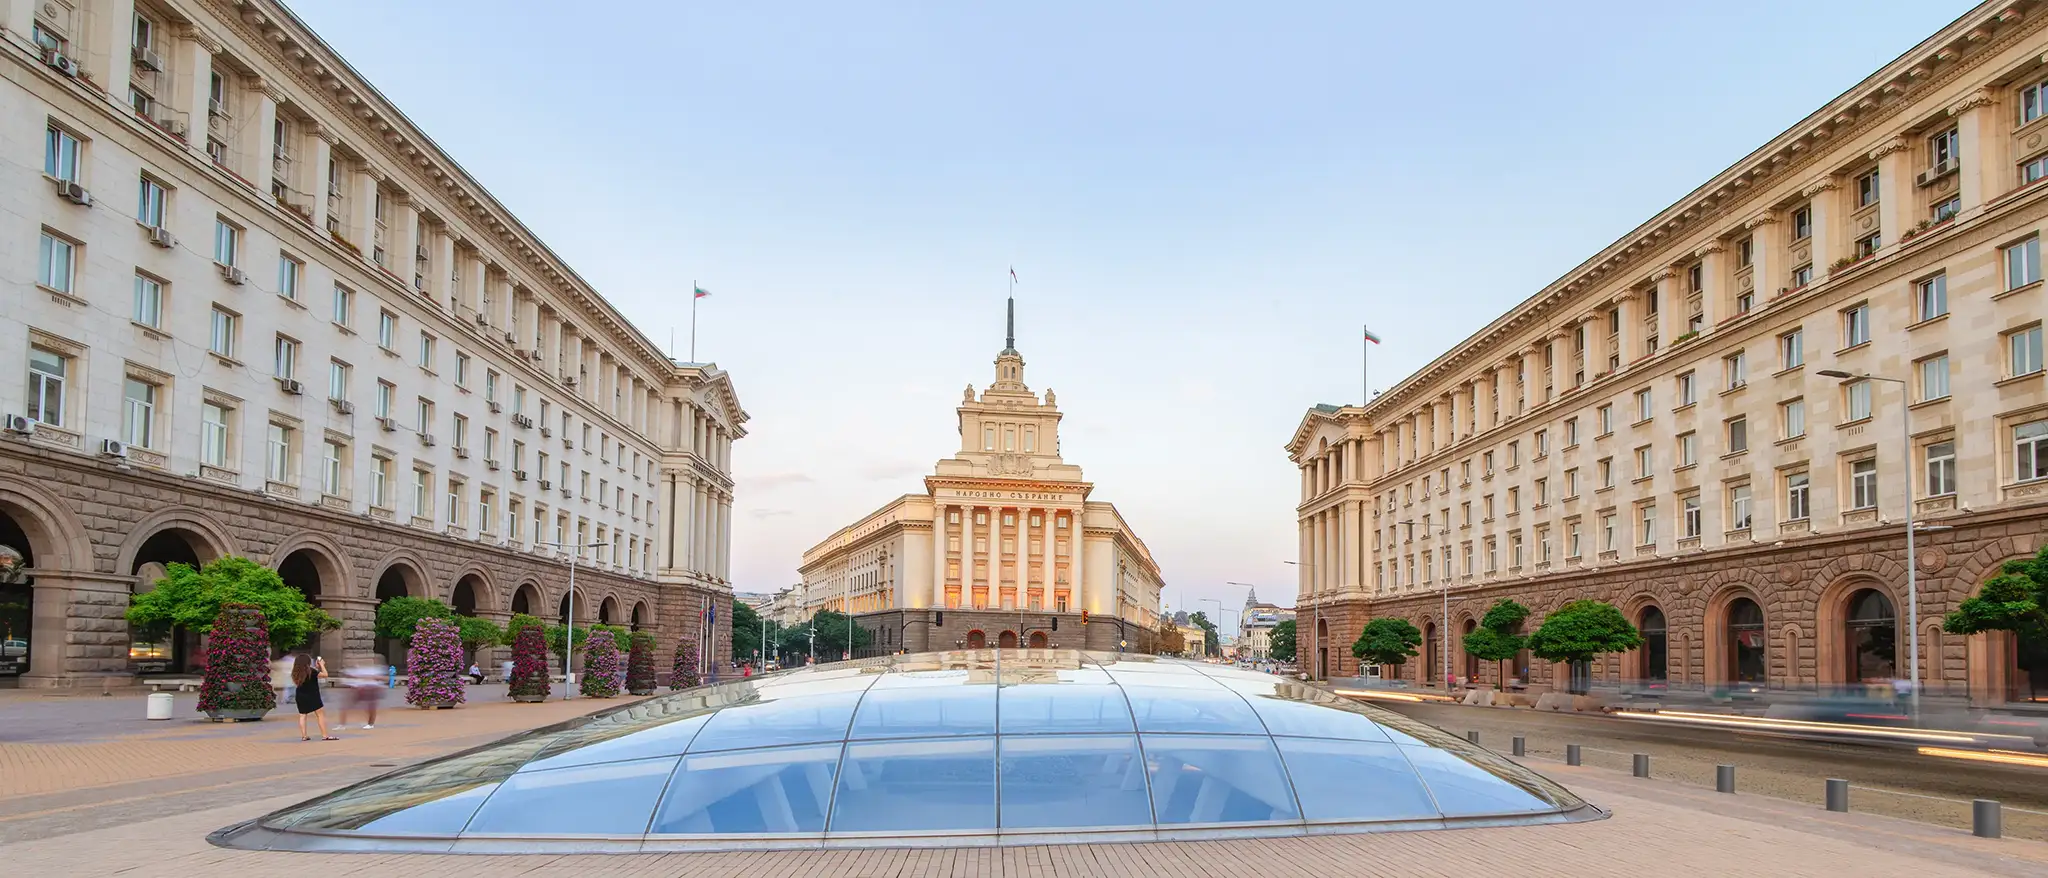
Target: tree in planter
[[1387, 641], [237, 664], [1579, 631], [640, 664], [1499, 635], [192, 599], [435, 664], [558, 639], [529, 659], [397, 617], [1280, 644], [684, 674], [479, 634], [601, 666], [2014, 600]]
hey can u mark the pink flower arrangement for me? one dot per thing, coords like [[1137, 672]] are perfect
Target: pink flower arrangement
[[530, 663], [600, 665], [684, 674], [640, 664], [435, 665], [238, 662]]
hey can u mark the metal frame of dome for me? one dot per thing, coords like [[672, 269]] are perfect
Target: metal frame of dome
[[954, 749]]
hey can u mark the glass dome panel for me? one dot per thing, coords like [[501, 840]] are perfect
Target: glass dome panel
[[670, 738], [926, 711], [779, 791], [1342, 781], [1203, 707], [1074, 782], [613, 798], [914, 786], [1077, 707], [1463, 789], [1218, 779], [813, 719]]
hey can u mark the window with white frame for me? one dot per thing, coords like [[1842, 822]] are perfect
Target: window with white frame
[[1802, 223], [1856, 396], [1738, 434], [332, 453], [1572, 546], [1792, 414], [221, 334], [1941, 468], [2034, 170], [149, 302], [49, 374], [289, 271], [287, 361], [1688, 448], [1933, 377], [1644, 405], [1946, 210], [427, 342], [1607, 533], [1604, 416], [1738, 508], [61, 151], [1944, 149], [149, 202], [1867, 190], [1802, 275], [1571, 483], [215, 433], [423, 494], [1931, 296], [387, 395], [461, 369], [337, 379], [2030, 451], [56, 263], [456, 489], [2033, 101], [1688, 389], [1855, 325], [387, 330], [1643, 463], [1798, 492], [2023, 263], [227, 241], [1735, 367], [2023, 351], [344, 306], [380, 482], [138, 412], [1571, 432], [1689, 514], [278, 457], [1605, 467], [1646, 524], [1863, 484], [1792, 349]]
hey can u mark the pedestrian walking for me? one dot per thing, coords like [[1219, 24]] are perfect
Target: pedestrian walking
[[281, 677], [306, 672], [365, 688]]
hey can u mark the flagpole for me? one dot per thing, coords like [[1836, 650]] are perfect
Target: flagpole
[[1365, 365], [693, 321]]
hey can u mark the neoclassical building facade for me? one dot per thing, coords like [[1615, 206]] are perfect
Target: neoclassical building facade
[[1004, 547], [260, 313], [1721, 422]]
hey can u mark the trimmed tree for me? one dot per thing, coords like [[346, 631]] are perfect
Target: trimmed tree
[[2015, 600], [1280, 644], [479, 633], [558, 638], [1387, 641], [1499, 635], [1579, 631], [684, 674], [601, 666], [529, 659], [237, 664], [435, 665], [640, 664], [398, 617], [192, 599]]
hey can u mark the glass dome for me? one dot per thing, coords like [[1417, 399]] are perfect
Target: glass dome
[[960, 748]]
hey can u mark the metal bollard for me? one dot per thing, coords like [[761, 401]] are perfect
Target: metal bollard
[[1724, 778], [1521, 746], [1642, 765], [1986, 820], [1572, 756], [1472, 736], [1838, 795]]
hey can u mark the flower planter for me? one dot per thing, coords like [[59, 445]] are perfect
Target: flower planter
[[530, 699], [237, 714], [436, 704], [647, 691]]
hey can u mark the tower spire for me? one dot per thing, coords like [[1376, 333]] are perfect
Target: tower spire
[[1010, 327]]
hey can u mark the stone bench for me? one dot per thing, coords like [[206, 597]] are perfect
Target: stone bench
[[184, 684]]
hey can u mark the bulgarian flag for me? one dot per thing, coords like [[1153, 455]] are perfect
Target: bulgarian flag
[[701, 293], [1370, 337]]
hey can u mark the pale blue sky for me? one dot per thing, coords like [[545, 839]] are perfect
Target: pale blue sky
[[1203, 200]]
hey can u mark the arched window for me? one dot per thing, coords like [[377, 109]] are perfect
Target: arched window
[[1471, 661], [1745, 641], [1872, 637], [976, 639], [1656, 648], [1432, 671]]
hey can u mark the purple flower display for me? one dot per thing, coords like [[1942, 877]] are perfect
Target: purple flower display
[[530, 663], [640, 664], [600, 665], [238, 662], [684, 675], [435, 665]]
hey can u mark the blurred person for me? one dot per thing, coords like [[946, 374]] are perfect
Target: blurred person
[[306, 673], [281, 677], [365, 688], [476, 674]]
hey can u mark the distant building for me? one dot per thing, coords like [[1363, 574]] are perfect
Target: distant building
[[1255, 626]]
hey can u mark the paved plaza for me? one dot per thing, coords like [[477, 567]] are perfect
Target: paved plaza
[[118, 795]]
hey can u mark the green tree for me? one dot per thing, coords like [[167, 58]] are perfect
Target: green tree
[[793, 643], [479, 633], [191, 599], [746, 632], [558, 638], [1579, 631], [1387, 641], [2015, 600], [1210, 640], [521, 621], [1280, 643], [831, 634], [1499, 635], [397, 616]]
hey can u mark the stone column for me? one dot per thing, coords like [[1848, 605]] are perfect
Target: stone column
[[362, 227], [80, 633], [1671, 309], [967, 556], [1767, 268], [725, 538], [1045, 550], [1628, 342], [1894, 190], [1829, 241], [468, 268], [322, 141], [1560, 363], [1077, 572], [938, 583], [259, 139], [399, 255], [191, 56], [1982, 147], [1714, 277]]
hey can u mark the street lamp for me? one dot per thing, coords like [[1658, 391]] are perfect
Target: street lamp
[[569, 625], [1218, 623], [1241, 634], [1316, 606], [1443, 622], [1912, 559]]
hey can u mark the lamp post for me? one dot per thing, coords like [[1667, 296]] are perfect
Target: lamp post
[[1241, 633], [1912, 559], [569, 624], [1316, 607], [1443, 622], [1218, 623]]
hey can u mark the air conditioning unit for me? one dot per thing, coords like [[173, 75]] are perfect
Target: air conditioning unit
[[390, 425], [113, 448], [291, 386], [490, 464], [508, 336], [535, 355], [343, 406], [568, 443], [566, 492], [60, 61], [20, 424], [146, 58], [216, 108], [176, 127], [568, 381], [162, 237], [233, 275], [482, 320], [419, 252], [1940, 170], [427, 439], [522, 421], [545, 432], [519, 475], [495, 406], [74, 192], [544, 484], [461, 453]]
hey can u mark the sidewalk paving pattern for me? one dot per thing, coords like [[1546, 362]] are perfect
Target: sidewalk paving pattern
[[141, 802]]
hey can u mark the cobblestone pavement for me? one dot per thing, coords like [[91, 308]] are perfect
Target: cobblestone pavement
[[141, 804]]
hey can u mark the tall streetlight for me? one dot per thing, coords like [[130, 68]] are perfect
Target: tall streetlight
[[1316, 605], [1218, 623], [1912, 559], [1443, 622], [569, 625], [1240, 616]]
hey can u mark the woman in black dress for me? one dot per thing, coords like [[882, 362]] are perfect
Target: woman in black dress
[[306, 673]]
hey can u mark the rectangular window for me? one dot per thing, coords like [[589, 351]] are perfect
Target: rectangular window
[[1941, 469], [1793, 414], [2030, 451], [1855, 326], [1643, 463], [1863, 484], [60, 154], [214, 434], [1571, 432], [2023, 351], [1869, 244], [1738, 435], [1689, 508], [1802, 224], [48, 373], [1934, 377], [1867, 191], [331, 455], [1856, 396], [2033, 171], [422, 494], [1644, 405], [461, 434], [423, 415], [289, 271], [149, 203], [1944, 148], [56, 262], [1571, 540], [1606, 469], [1735, 367], [337, 379], [1802, 275], [149, 301], [344, 305], [1646, 524], [1605, 416], [426, 352], [2023, 263], [461, 369], [1607, 532], [278, 456], [221, 338], [1688, 449], [286, 364], [138, 413], [1946, 210], [386, 396], [380, 482], [227, 241], [491, 388], [1738, 508], [1688, 390], [1797, 492], [1933, 296], [1745, 252], [387, 330], [2032, 99], [1542, 442], [1792, 349]]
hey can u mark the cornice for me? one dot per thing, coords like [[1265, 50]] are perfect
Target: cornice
[[1896, 144]]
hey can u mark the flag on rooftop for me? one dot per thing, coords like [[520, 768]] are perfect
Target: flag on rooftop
[[701, 293], [1370, 337]]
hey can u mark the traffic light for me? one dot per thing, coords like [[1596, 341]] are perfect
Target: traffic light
[[1055, 623], [1084, 617], [939, 619]]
